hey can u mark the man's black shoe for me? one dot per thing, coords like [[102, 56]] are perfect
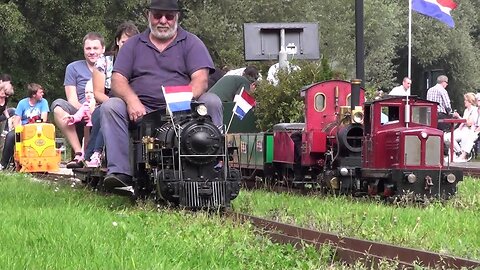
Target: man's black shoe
[[118, 183]]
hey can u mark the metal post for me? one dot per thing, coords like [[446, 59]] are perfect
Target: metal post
[[359, 43], [282, 54]]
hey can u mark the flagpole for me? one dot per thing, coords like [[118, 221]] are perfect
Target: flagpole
[[230, 122], [409, 73], [233, 111], [410, 39], [170, 113]]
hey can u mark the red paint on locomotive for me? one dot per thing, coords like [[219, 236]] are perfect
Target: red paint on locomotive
[[323, 101], [393, 144]]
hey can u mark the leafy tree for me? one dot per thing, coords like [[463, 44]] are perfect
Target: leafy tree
[[40, 37]]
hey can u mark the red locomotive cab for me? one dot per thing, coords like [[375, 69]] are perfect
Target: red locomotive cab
[[325, 101], [327, 110], [402, 136], [403, 150]]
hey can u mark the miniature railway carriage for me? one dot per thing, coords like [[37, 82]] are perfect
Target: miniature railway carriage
[[405, 153], [35, 148], [347, 149]]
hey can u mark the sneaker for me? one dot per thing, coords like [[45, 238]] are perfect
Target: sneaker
[[95, 161], [119, 183], [76, 162]]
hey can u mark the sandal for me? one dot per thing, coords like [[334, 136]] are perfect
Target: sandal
[[76, 162]]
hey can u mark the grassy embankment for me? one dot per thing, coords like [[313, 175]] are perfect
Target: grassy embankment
[[53, 226], [452, 227]]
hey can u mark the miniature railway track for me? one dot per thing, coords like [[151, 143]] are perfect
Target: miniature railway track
[[350, 250]]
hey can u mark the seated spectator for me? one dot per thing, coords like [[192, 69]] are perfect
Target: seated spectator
[[84, 113], [31, 109], [228, 86], [101, 78], [477, 124], [77, 74], [6, 91], [464, 135]]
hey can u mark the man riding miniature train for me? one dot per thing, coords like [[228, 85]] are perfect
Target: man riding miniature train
[[143, 65]]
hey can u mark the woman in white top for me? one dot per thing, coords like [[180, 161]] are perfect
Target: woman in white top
[[464, 135]]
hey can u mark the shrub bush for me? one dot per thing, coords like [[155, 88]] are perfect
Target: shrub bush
[[282, 103]]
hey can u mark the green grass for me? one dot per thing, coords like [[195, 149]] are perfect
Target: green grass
[[54, 226], [452, 227]]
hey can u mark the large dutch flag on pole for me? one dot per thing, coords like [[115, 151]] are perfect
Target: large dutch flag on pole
[[438, 9], [243, 103], [178, 98]]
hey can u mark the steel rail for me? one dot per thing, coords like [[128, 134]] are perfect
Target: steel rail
[[351, 250]]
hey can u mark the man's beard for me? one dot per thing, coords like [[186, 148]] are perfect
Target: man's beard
[[161, 35]]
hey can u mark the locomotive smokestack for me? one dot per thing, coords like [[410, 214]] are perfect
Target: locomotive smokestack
[[355, 97]]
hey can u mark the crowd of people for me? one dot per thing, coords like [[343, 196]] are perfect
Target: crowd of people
[[108, 91]]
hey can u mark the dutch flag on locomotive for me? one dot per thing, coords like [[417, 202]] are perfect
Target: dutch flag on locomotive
[[178, 98], [243, 103], [438, 9]]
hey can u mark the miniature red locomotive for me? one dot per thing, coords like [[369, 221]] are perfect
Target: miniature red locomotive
[[346, 148]]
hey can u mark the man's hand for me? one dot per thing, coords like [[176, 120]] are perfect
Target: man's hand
[[135, 109]]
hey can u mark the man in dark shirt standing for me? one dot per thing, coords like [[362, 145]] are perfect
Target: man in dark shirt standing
[[228, 86], [163, 55]]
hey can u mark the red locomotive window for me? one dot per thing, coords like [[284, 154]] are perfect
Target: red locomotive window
[[422, 115], [390, 114], [319, 102]]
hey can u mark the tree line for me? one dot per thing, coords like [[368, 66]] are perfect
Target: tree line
[[40, 37]]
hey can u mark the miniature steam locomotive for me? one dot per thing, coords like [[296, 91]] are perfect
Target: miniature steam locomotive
[[180, 159]]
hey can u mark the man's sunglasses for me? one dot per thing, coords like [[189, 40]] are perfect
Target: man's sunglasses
[[159, 15]]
